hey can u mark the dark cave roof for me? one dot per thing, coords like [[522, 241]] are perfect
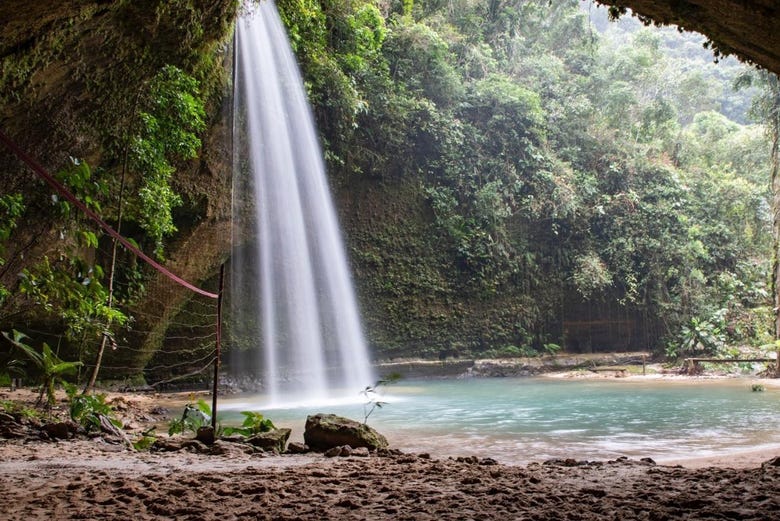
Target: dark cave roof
[[748, 29]]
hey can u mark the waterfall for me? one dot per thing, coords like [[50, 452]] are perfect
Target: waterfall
[[292, 289]]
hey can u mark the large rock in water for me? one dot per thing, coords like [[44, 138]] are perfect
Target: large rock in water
[[325, 431]]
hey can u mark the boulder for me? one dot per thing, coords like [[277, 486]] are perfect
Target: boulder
[[296, 447], [61, 430], [325, 431], [275, 440], [225, 448], [360, 452], [344, 451], [333, 452], [774, 462], [205, 435], [195, 446], [167, 444]]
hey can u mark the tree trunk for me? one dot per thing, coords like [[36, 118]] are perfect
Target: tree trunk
[[774, 89], [111, 275]]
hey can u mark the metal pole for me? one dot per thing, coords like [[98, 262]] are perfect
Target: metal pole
[[218, 353]]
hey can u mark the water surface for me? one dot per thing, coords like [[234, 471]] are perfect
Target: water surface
[[517, 420]]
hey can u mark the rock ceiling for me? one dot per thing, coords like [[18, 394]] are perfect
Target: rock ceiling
[[748, 29]]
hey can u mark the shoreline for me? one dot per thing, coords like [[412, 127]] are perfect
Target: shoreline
[[666, 377], [97, 479], [139, 405], [735, 459]]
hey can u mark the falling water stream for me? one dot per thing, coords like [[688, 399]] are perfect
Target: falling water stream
[[292, 288]]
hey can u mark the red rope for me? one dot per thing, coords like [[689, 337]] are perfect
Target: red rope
[[59, 187]]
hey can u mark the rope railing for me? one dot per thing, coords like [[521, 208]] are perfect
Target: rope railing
[[211, 356], [64, 192]]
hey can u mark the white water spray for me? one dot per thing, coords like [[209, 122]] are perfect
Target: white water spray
[[297, 274]]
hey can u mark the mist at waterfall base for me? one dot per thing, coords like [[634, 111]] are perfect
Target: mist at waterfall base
[[519, 420], [290, 289]]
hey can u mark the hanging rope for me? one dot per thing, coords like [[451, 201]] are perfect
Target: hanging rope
[[64, 192]]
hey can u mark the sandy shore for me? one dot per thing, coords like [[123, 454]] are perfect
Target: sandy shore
[[90, 480], [95, 479], [742, 459]]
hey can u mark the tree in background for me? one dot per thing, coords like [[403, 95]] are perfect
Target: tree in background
[[766, 108]]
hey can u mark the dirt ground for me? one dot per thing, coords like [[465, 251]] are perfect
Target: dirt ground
[[93, 480], [100, 478]]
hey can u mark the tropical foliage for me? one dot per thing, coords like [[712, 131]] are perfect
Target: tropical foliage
[[88, 410], [49, 366], [550, 173], [194, 416], [254, 423]]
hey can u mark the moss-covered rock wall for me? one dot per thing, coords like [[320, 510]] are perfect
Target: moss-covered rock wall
[[71, 78]]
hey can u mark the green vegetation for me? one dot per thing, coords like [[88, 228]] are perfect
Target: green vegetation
[[194, 416], [11, 208], [132, 89], [15, 408], [70, 287], [88, 409], [514, 178], [170, 122], [49, 366], [146, 440], [198, 414], [254, 423], [517, 176]]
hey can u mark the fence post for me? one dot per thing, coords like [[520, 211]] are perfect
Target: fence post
[[218, 354]]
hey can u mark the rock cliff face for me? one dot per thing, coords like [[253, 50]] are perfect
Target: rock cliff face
[[70, 79], [748, 29]]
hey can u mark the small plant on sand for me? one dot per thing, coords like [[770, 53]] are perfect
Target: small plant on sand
[[48, 364], [19, 410], [89, 410], [194, 416], [254, 423], [371, 392], [147, 439]]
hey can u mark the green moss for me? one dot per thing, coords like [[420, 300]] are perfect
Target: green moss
[[72, 83]]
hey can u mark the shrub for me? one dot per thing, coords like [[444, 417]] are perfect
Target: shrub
[[194, 417], [254, 423]]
